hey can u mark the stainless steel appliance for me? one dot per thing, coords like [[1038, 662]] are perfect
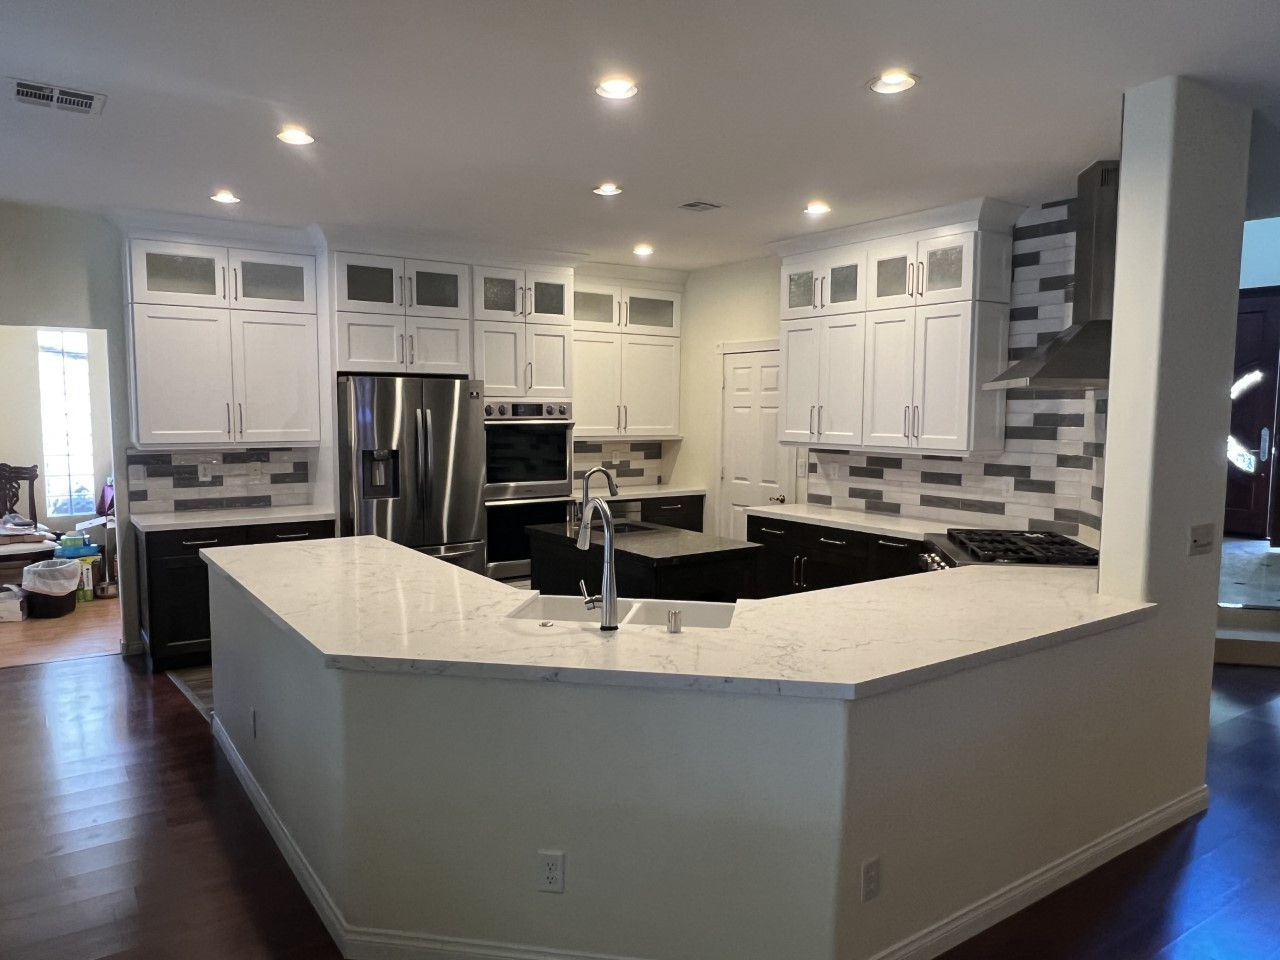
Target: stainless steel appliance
[[960, 547], [507, 552], [411, 463], [528, 449]]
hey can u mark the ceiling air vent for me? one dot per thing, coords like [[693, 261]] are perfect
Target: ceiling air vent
[[60, 98], [699, 206]]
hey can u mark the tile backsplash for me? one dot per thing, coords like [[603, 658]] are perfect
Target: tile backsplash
[[1050, 475], [162, 482], [632, 463]]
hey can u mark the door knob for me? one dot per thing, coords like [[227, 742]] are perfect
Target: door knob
[[780, 498]]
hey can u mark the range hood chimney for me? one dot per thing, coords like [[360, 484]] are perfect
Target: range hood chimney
[[1080, 357]]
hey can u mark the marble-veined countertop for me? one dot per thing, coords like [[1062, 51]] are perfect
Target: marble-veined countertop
[[880, 524]]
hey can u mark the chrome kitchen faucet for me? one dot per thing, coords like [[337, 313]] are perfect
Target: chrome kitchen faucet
[[608, 598]]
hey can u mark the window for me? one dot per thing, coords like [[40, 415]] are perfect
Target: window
[[66, 423]]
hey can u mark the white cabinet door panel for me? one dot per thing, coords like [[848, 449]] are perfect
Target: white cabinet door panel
[[369, 284], [597, 396], [434, 289], [549, 359], [438, 345], [182, 374], [178, 274], [800, 342], [944, 269], [943, 376], [889, 368], [277, 377], [272, 281], [840, 379], [548, 298], [500, 358], [650, 385], [370, 343]]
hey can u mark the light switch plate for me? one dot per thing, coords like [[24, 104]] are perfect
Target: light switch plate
[[1200, 539]]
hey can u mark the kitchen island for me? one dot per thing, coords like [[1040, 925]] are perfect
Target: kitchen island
[[414, 734]]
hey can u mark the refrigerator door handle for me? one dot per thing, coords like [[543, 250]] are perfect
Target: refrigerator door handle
[[424, 461]]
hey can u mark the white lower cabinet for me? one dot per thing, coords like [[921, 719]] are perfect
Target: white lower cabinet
[[275, 366], [625, 385], [524, 359], [822, 380]]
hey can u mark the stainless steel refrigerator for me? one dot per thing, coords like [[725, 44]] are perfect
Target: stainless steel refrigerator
[[411, 463]]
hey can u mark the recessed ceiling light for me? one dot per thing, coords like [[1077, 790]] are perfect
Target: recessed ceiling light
[[643, 250], [295, 135], [817, 208], [893, 81], [225, 196], [608, 190], [617, 88]]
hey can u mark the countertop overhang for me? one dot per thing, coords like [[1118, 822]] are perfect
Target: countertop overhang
[[204, 519], [371, 605], [655, 544]]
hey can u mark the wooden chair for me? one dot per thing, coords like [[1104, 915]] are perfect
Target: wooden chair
[[11, 479]]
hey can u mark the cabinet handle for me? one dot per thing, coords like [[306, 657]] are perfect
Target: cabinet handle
[[626, 314], [671, 506], [814, 298], [228, 421], [626, 416], [400, 350], [400, 293], [520, 307], [920, 277], [890, 543], [408, 291], [199, 543], [411, 349], [618, 425], [822, 292], [795, 570], [811, 409], [915, 420], [235, 283], [529, 303], [619, 313], [804, 579], [819, 419], [240, 410], [906, 421], [224, 283], [529, 375], [834, 543], [911, 277], [776, 533], [291, 536]]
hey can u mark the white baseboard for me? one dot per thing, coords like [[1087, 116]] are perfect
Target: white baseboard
[[990, 910]]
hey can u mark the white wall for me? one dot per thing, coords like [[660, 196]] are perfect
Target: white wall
[[63, 268], [1260, 258], [735, 301], [21, 441]]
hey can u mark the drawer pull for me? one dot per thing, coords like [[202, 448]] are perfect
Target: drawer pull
[[290, 536], [776, 533], [672, 506], [834, 543], [890, 543], [198, 543]]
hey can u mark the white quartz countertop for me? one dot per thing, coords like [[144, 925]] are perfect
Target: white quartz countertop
[[368, 604], [886, 525], [641, 491], [203, 519]]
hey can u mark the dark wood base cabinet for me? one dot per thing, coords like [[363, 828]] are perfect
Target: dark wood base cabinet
[[796, 557], [173, 582]]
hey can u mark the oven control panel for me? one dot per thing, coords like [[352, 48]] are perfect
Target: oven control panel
[[496, 408]]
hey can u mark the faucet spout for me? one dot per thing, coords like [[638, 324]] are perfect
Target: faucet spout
[[608, 598], [586, 487]]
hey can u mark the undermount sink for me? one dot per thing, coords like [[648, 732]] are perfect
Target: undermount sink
[[622, 526], [634, 612]]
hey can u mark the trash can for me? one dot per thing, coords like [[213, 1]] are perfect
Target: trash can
[[51, 587]]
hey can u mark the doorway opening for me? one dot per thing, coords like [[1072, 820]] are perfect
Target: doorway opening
[[59, 496]]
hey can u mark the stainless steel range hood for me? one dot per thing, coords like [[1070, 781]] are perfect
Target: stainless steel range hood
[[1079, 358]]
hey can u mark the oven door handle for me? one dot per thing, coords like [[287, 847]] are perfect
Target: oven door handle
[[549, 424]]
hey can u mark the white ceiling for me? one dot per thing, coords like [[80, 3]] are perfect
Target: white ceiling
[[477, 118]]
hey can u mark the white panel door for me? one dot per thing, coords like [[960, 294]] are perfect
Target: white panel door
[[498, 293], [438, 345], [650, 386], [183, 388], [179, 274], [840, 379], [842, 281], [891, 274], [943, 378], [277, 377], [597, 306], [755, 467], [549, 358], [800, 342], [597, 386], [500, 358], [548, 298], [800, 287], [370, 343], [653, 312], [889, 368], [272, 281], [944, 269], [368, 284], [434, 289]]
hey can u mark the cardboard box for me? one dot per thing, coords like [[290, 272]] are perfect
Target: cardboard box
[[13, 604]]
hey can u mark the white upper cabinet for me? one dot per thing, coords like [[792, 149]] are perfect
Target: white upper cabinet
[[515, 295], [800, 286], [822, 380], [178, 274], [942, 376], [909, 271], [652, 312], [889, 372], [276, 376], [369, 284], [597, 383], [548, 298], [435, 289], [284, 282], [499, 294], [183, 388], [500, 358], [891, 273], [370, 343], [800, 348], [437, 345], [597, 306], [549, 360], [824, 284], [945, 269], [650, 386]]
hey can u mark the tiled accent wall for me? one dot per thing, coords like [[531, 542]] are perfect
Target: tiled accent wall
[[631, 463], [1050, 475], [161, 482]]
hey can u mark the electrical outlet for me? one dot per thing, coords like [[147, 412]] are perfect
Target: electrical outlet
[[551, 871], [1200, 539], [802, 466], [204, 471], [870, 879]]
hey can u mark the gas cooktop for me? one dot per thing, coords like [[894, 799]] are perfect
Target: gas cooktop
[[962, 546]]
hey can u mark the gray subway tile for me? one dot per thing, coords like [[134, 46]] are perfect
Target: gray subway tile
[[1031, 433], [961, 503], [820, 498], [813, 467], [1054, 526], [646, 447], [946, 479], [1095, 493], [581, 446], [867, 473], [1095, 449], [1035, 486], [1026, 259], [882, 506], [207, 503], [185, 482], [1036, 230], [149, 459], [630, 472], [238, 503], [1061, 282], [1074, 462], [1100, 406], [295, 477], [247, 456], [1058, 419], [137, 495], [863, 493], [888, 463], [939, 456], [1005, 470]]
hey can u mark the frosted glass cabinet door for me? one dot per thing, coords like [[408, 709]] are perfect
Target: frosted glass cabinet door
[[842, 283], [597, 306], [891, 274], [368, 284], [179, 274], [800, 288], [277, 377], [652, 312], [946, 268], [498, 294], [436, 289], [548, 298], [283, 282]]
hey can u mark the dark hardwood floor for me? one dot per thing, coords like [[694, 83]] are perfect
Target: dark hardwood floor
[[124, 834]]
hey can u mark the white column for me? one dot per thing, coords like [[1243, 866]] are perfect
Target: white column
[[1183, 172]]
